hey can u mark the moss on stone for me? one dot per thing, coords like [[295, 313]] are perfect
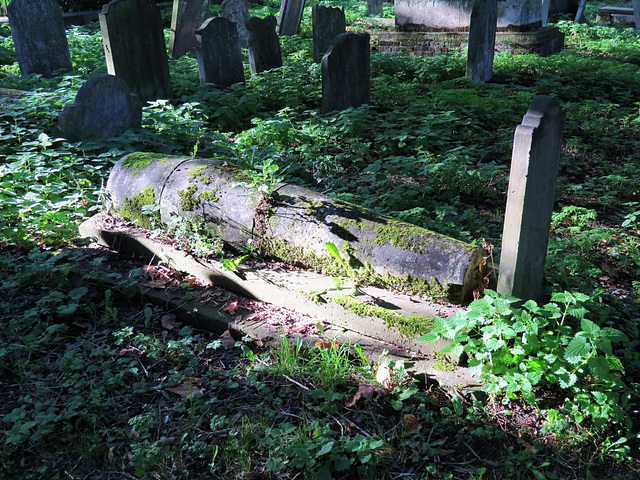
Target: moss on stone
[[188, 201], [408, 326], [296, 255], [210, 195], [132, 209], [138, 160], [312, 207]]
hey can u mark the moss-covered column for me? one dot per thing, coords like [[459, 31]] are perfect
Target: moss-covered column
[[295, 223]]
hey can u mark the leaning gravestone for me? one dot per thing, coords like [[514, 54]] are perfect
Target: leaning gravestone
[[374, 7], [346, 72], [104, 107], [236, 11], [134, 47], [220, 56], [328, 23], [482, 40], [186, 18], [290, 16], [532, 187], [264, 44], [39, 37]]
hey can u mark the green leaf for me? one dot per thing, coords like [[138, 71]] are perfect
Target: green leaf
[[577, 349], [590, 328], [326, 448]]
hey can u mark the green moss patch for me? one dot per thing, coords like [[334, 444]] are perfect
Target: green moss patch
[[408, 326], [132, 211], [139, 160], [188, 201]]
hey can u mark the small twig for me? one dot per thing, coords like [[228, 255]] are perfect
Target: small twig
[[488, 462], [296, 383]]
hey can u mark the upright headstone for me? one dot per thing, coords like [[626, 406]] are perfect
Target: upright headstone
[[237, 11], [532, 187], [39, 37], [290, 16], [544, 11], [264, 44], [186, 18], [220, 56], [635, 4], [134, 47], [328, 23], [346, 78], [374, 7], [482, 40], [104, 107]]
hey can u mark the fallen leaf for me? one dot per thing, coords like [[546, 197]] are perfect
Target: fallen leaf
[[187, 388], [364, 391], [130, 351], [169, 321], [156, 283], [231, 307], [383, 375], [411, 423], [227, 340]]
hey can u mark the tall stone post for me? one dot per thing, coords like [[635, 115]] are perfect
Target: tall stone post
[[482, 40], [532, 187]]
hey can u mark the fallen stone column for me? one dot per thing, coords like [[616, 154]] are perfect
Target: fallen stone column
[[294, 225]]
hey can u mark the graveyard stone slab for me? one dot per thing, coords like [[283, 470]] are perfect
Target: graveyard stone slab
[[104, 107], [532, 186], [220, 56], [346, 70], [290, 17], [264, 44], [236, 11], [636, 12], [482, 40], [39, 37], [134, 47], [186, 18], [328, 23]]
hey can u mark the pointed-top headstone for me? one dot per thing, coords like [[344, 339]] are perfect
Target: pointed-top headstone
[[134, 47], [39, 37]]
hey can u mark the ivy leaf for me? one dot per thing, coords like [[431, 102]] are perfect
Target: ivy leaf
[[577, 349]]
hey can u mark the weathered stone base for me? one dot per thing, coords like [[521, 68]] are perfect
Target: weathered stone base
[[613, 15], [544, 41]]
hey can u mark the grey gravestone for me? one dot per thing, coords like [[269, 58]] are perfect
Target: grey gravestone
[[186, 18], [328, 23], [134, 47], [104, 107], [264, 44], [482, 40], [38, 34], [236, 11], [290, 16], [346, 78], [532, 187], [374, 7], [635, 4], [220, 56]]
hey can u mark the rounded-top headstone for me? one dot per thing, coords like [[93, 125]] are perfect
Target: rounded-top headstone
[[104, 107]]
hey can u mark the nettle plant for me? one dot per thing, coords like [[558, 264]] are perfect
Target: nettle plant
[[518, 348]]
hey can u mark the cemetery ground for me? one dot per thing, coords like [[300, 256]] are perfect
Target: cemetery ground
[[97, 383]]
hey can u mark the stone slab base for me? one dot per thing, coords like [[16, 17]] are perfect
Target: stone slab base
[[290, 289], [613, 15], [544, 41]]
